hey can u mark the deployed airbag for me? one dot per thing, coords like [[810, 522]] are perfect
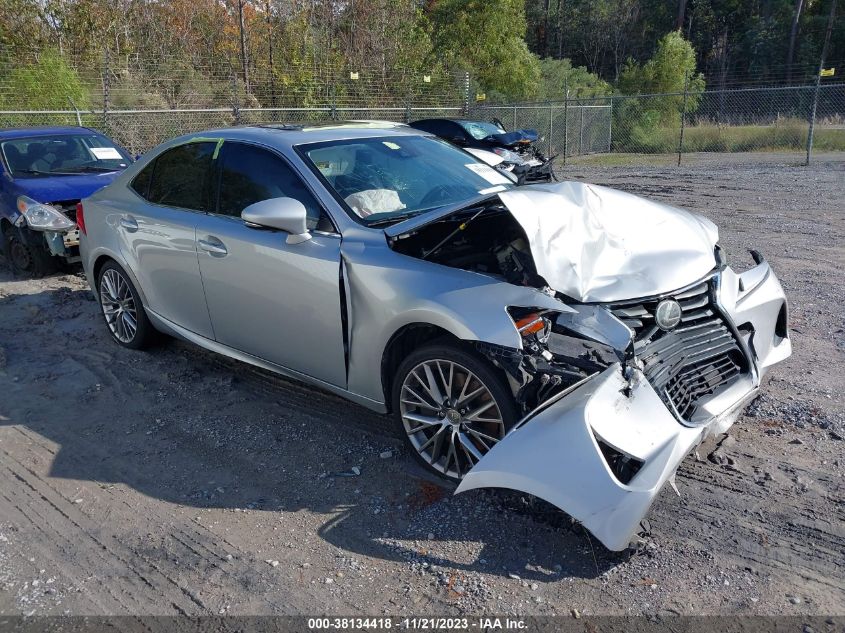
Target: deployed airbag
[[371, 201]]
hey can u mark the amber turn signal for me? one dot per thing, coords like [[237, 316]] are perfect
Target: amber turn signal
[[530, 324]]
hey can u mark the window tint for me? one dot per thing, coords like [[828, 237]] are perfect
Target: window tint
[[179, 176], [141, 182], [250, 174]]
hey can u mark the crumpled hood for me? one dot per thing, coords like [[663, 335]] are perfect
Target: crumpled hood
[[509, 139], [596, 244]]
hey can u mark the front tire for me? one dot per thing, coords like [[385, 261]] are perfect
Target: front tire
[[26, 252], [122, 309], [452, 406]]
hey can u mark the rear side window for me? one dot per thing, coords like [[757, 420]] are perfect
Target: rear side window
[[141, 182], [250, 174], [178, 177]]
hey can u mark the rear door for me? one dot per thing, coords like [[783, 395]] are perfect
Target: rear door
[[277, 301], [158, 233]]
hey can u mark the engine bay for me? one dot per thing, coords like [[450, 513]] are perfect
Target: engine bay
[[491, 242]]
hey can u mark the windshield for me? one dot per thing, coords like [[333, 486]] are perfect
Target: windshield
[[480, 129], [387, 179], [62, 154]]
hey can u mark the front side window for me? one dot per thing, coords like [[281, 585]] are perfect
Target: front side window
[[178, 177], [251, 174], [62, 155], [387, 179]]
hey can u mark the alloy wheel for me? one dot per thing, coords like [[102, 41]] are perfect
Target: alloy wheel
[[119, 306], [450, 416]]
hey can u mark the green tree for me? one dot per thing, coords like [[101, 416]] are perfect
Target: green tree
[[557, 75], [486, 37], [47, 84], [667, 71], [643, 122]]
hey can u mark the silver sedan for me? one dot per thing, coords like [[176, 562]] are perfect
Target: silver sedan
[[566, 340]]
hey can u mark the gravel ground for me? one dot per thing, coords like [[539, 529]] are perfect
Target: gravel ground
[[175, 481]]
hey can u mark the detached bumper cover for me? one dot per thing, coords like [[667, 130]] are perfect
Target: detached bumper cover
[[555, 454]]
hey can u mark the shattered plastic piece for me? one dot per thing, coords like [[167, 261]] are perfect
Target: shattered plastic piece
[[674, 485]]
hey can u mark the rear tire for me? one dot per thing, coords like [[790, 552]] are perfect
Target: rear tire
[[122, 309], [452, 406], [26, 253]]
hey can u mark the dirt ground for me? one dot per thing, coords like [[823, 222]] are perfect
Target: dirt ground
[[175, 481]]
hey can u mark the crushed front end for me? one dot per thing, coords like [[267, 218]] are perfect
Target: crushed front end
[[617, 394]]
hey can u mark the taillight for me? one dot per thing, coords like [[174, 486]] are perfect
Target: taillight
[[80, 218]]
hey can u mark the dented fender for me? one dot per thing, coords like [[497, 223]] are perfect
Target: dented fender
[[386, 291], [755, 302]]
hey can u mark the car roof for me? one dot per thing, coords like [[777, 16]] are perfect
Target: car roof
[[290, 134], [449, 120], [52, 130]]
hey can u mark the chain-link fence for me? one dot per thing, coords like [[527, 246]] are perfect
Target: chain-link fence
[[141, 102], [661, 128]]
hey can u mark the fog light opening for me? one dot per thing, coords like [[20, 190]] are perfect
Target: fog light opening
[[624, 467]]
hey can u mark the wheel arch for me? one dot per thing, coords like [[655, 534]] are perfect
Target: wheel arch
[[403, 341], [100, 259]]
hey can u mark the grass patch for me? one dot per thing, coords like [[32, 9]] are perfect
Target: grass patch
[[785, 134]]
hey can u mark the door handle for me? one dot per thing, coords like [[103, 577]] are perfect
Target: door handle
[[129, 223], [212, 245]]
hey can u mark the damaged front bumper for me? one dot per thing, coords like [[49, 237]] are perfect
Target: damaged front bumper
[[603, 449], [535, 171]]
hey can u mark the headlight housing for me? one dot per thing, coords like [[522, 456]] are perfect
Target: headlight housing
[[509, 156], [43, 217]]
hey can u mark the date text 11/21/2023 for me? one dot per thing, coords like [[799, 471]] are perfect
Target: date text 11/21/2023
[[417, 624]]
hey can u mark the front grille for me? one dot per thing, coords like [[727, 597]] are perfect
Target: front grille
[[690, 361]]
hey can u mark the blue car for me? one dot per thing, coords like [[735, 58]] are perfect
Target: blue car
[[44, 173]]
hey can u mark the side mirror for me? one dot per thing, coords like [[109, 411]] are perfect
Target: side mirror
[[285, 214]]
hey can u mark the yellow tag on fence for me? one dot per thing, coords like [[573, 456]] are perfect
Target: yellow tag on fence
[[827, 72]]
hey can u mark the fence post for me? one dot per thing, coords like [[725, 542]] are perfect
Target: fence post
[[551, 127], [565, 119], [819, 81], [513, 127], [236, 111], [333, 104], [581, 130], [610, 128], [78, 115], [466, 93], [106, 91], [683, 117]]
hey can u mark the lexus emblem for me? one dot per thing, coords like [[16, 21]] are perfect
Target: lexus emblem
[[668, 314]]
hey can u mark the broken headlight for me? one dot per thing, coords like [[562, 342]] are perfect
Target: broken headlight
[[43, 217], [509, 156], [551, 358]]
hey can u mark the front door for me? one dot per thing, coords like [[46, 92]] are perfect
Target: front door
[[277, 301]]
